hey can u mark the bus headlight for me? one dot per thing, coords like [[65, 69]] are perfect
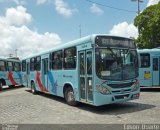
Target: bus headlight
[[102, 89], [136, 86]]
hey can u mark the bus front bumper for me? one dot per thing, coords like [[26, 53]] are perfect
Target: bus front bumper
[[109, 99]]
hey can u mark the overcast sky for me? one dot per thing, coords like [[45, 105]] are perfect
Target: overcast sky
[[32, 26]]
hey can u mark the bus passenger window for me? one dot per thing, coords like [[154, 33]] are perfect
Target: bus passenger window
[[57, 60], [38, 63], [10, 66], [145, 60], [70, 58], [155, 64], [17, 66], [89, 63], [24, 65], [32, 66], [50, 61], [45, 62], [82, 64], [2, 66]]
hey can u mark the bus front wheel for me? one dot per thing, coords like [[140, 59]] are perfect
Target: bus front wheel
[[69, 97], [33, 88]]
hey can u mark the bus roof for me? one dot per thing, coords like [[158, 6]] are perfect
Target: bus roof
[[8, 59], [154, 50], [72, 43]]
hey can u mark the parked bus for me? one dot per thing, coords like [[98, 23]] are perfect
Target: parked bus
[[149, 70], [10, 72], [97, 70]]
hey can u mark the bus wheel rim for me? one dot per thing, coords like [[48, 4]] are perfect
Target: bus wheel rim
[[70, 96], [32, 87]]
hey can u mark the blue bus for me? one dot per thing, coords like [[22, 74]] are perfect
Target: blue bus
[[96, 69], [149, 69], [10, 73]]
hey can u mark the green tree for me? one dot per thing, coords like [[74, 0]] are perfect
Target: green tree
[[148, 24]]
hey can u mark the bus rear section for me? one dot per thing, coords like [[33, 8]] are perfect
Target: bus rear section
[[10, 73], [149, 68], [96, 70]]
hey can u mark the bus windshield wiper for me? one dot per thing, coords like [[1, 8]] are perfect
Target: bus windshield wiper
[[113, 54], [128, 51]]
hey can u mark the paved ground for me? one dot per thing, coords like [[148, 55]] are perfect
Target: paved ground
[[20, 106]]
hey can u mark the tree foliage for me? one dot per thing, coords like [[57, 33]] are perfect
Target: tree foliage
[[148, 24]]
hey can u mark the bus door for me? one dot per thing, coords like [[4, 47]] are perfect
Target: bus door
[[85, 74], [28, 74], [155, 72], [45, 73]]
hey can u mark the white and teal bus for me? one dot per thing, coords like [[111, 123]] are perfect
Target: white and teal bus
[[10, 73], [149, 70], [97, 70]]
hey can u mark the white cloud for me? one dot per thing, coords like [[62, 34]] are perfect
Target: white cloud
[[152, 2], [63, 9], [95, 9], [60, 6], [24, 39], [16, 16], [124, 29]]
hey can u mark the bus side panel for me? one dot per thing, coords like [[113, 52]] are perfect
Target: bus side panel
[[17, 77], [57, 80], [24, 79], [145, 69], [145, 77], [11, 78], [8, 82], [19, 73], [33, 77], [54, 83], [4, 76], [155, 71]]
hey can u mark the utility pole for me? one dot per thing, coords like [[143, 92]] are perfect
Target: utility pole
[[138, 1], [16, 52], [10, 55]]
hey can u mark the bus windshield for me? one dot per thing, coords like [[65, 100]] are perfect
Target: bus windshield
[[116, 64]]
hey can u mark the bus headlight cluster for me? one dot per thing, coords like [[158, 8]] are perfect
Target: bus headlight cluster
[[102, 89], [136, 85]]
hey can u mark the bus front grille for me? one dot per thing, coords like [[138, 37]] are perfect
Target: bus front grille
[[122, 96], [121, 91], [124, 85]]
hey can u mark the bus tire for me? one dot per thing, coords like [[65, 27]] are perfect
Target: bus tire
[[33, 88], [1, 85], [69, 97]]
